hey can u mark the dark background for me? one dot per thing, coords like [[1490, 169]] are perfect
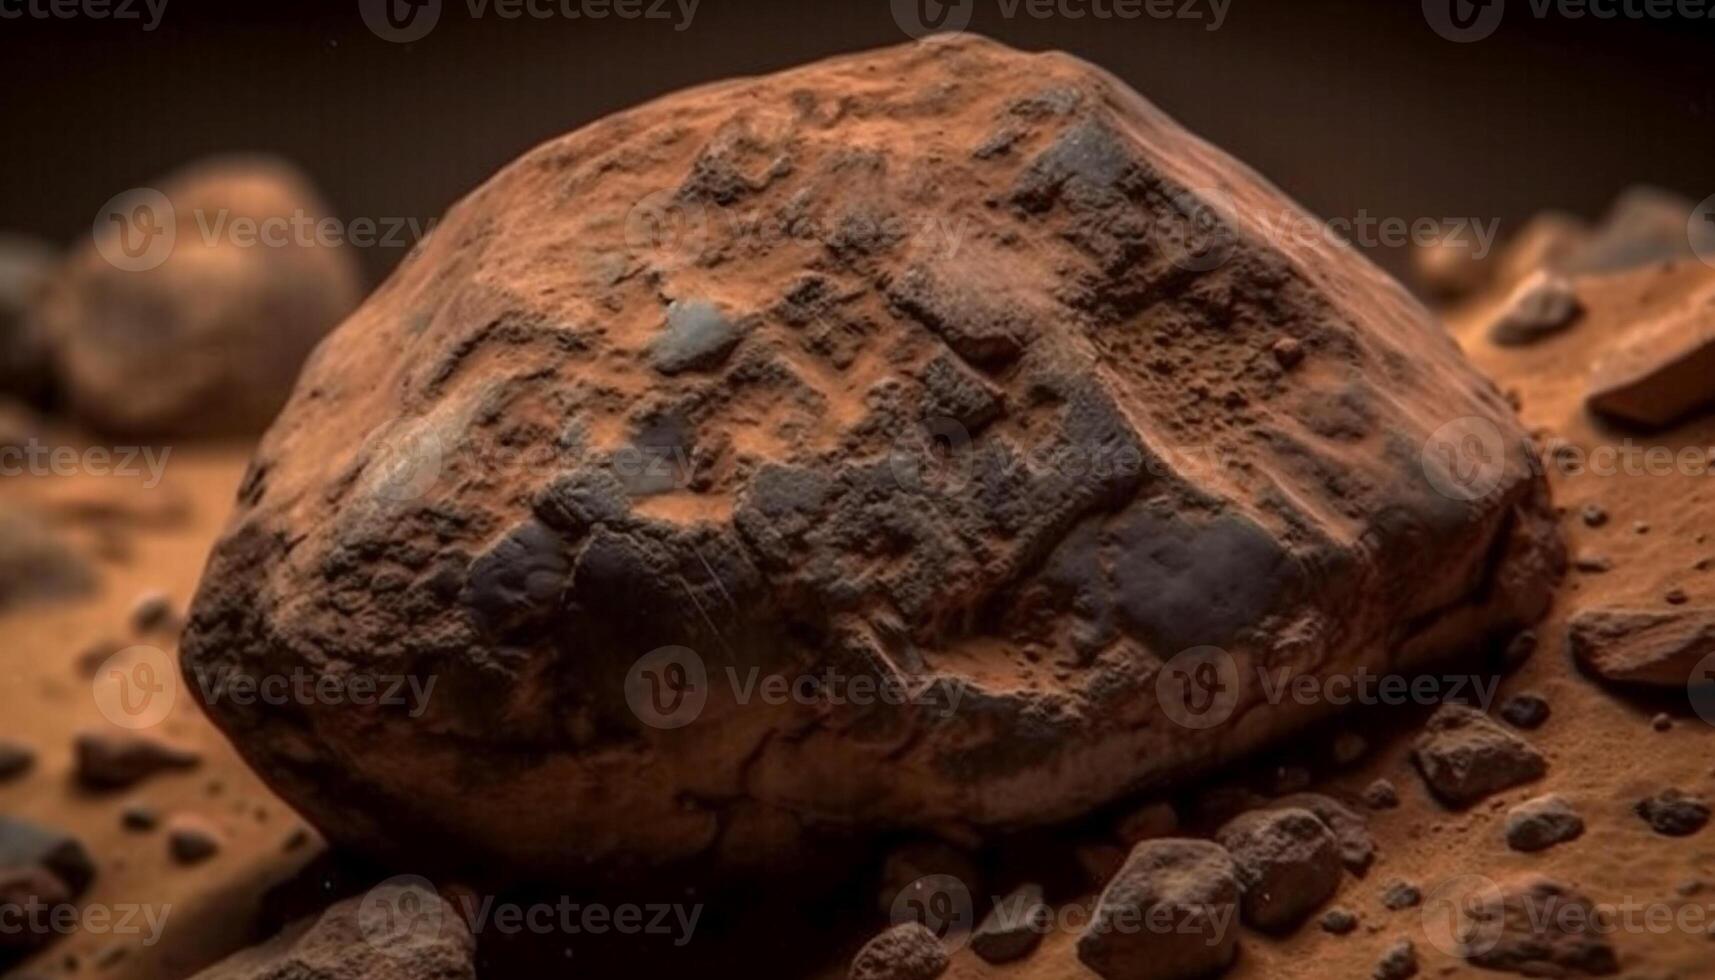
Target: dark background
[[1346, 104]]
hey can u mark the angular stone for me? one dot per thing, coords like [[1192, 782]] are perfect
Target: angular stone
[[1526, 711], [905, 952], [1660, 371], [1288, 863], [1541, 823], [1014, 927], [1464, 756], [1168, 915], [1649, 647], [1122, 316], [1673, 813], [1398, 963], [1542, 305], [1535, 926], [1351, 831], [398, 930], [697, 337]]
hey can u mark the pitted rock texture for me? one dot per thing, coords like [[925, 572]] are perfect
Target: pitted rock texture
[[808, 375], [209, 340]]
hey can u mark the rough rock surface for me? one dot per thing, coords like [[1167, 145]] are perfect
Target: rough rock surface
[[1538, 927], [1674, 813], [1351, 831], [226, 318], [1541, 823], [1288, 864], [905, 952], [1191, 884], [1661, 370], [1541, 305], [1004, 428], [396, 931], [1649, 647], [1465, 756]]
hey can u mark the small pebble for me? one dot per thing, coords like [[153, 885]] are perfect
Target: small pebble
[[151, 611], [1339, 921], [1398, 963], [1677, 597], [1591, 563], [139, 817], [1381, 795], [1288, 352], [1527, 711], [1661, 723], [191, 840], [16, 758], [1401, 894], [1594, 515]]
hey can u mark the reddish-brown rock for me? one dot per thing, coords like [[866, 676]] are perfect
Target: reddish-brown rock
[[1650, 647], [1661, 370], [784, 375]]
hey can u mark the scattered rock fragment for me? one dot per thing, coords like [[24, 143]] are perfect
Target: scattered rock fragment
[[192, 840], [1661, 722], [1288, 352], [1192, 883], [904, 952], [139, 817], [697, 337], [1543, 304], [1541, 823], [1536, 926], [1014, 927], [1381, 795], [1673, 813], [1339, 921], [1400, 894], [24, 844], [1288, 863], [1464, 756], [1398, 963], [1526, 711], [16, 758], [1591, 563], [153, 610], [1595, 515], [1351, 831], [1660, 371], [365, 938], [112, 760], [1649, 647]]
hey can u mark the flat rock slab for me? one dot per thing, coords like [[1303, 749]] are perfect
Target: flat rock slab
[[1649, 647], [1660, 371], [937, 421]]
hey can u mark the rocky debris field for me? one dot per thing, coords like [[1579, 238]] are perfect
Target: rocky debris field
[[1516, 780]]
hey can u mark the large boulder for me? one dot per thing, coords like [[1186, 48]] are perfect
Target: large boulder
[[190, 312], [947, 377]]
